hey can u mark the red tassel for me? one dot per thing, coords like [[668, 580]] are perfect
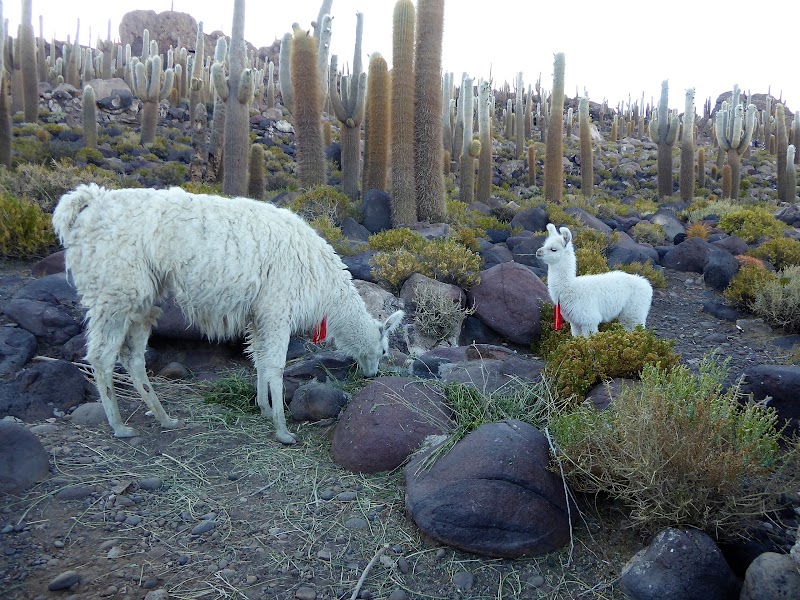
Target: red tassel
[[558, 321], [320, 331]]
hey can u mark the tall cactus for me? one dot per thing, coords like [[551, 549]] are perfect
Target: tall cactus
[[72, 73], [285, 72], [428, 149], [734, 131], [348, 106], [447, 95], [199, 163], [376, 161], [781, 143], [196, 82], [664, 132], [404, 207], [6, 132], [484, 189], [795, 135], [687, 176], [271, 85], [791, 174], [585, 136], [217, 134], [554, 146], [30, 75], [237, 93], [89, 112], [149, 87], [307, 111], [466, 170], [519, 117]]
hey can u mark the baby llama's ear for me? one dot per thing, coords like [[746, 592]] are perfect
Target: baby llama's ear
[[551, 229], [393, 321], [566, 234]]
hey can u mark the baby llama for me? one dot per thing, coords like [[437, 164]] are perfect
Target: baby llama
[[589, 300], [235, 266]]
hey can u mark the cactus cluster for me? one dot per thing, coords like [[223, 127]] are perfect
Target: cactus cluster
[[664, 131], [734, 130]]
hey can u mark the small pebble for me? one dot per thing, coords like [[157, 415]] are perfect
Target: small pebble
[[7, 529], [150, 483], [536, 581], [325, 554], [203, 527], [402, 564], [133, 520], [327, 494], [346, 496], [356, 523], [440, 553], [58, 544], [150, 583], [463, 580], [398, 595], [64, 581], [305, 593]]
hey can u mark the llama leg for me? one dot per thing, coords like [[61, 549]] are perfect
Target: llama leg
[[269, 355], [104, 340], [132, 358]]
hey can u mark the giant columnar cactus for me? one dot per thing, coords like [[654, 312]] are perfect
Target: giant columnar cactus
[[322, 36], [664, 132], [256, 183], [528, 113], [484, 190], [466, 171], [767, 119], [151, 84], [17, 85], [217, 134], [285, 72], [271, 85], [199, 164], [30, 75], [447, 95], [587, 160], [348, 106], [5, 102], [791, 174], [781, 143], [237, 93], [519, 117], [196, 93], [458, 130], [107, 48], [554, 146], [795, 135], [734, 131], [72, 75], [41, 54], [404, 206], [687, 149], [376, 163], [307, 111], [89, 111], [428, 149]]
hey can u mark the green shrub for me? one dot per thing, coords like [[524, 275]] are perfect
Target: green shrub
[[678, 451], [752, 224], [698, 230], [332, 234], [590, 261], [702, 208], [91, 156], [171, 173], [648, 233], [323, 201], [393, 268], [436, 314], [25, 230], [503, 212], [741, 291], [655, 276], [578, 363], [778, 300], [396, 239], [779, 252]]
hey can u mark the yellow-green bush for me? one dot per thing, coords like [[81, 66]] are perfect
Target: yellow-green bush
[[648, 233], [399, 238], [752, 224], [679, 451], [323, 201], [444, 260], [25, 230], [779, 252], [590, 261], [778, 300], [655, 276], [393, 268], [741, 291], [332, 234], [698, 230], [576, 364]]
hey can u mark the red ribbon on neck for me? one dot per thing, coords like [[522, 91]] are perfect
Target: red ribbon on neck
[[558, 320], [320, 331]]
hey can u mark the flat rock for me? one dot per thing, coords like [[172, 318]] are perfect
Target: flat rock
[[23, 459]]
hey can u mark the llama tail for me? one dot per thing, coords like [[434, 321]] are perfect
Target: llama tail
[[69, 207]]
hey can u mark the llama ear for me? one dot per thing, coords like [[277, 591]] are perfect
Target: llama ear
[[393, 321], [566, 234], [551, 229]]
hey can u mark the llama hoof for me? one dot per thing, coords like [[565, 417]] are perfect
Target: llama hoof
[[124, 432], [286, 438], [173, 424]]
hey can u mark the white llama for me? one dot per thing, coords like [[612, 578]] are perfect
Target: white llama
[[589, 300], [234, 266]]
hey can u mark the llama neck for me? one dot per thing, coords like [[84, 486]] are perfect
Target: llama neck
[[561, 275], [342, 307]]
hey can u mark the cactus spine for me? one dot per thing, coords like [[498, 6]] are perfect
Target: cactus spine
[[664, 132], [734, 131], [428, 149], [687, 175], [554, 147], [30, 75], [147, 85], [89, 111], [307, 110], [781, 143], [237, 93], [376, 161], [404, 207], [484, 190], [348, 106], [585, 135], [466, 170]]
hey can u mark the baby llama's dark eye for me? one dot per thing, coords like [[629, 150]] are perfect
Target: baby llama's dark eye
[[553, 249]]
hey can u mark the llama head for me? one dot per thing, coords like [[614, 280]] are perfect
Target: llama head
[[557, 245], [369, 344]]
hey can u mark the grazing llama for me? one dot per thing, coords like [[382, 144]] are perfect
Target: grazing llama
[[235, 266], [589, 300]]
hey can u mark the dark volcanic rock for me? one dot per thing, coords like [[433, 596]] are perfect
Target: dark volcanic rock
[[17, 347], [23, 459], [782, 384]]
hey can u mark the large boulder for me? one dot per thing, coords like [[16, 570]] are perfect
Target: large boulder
[[531, 219], [48, 322], [377, 209], [23, 459], [492, 494], [441, 329], [679, 563], [385, 422], [689, 255], [490, 375], [668, 222], [168, 28], [587, 219], [112, 94], [720, 268], [779, 382], [429, 365], [508, 299], [772, 576], [17, 347], [360, 266], [316, 401]]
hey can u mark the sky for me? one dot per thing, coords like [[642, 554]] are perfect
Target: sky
[[614, 49]]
